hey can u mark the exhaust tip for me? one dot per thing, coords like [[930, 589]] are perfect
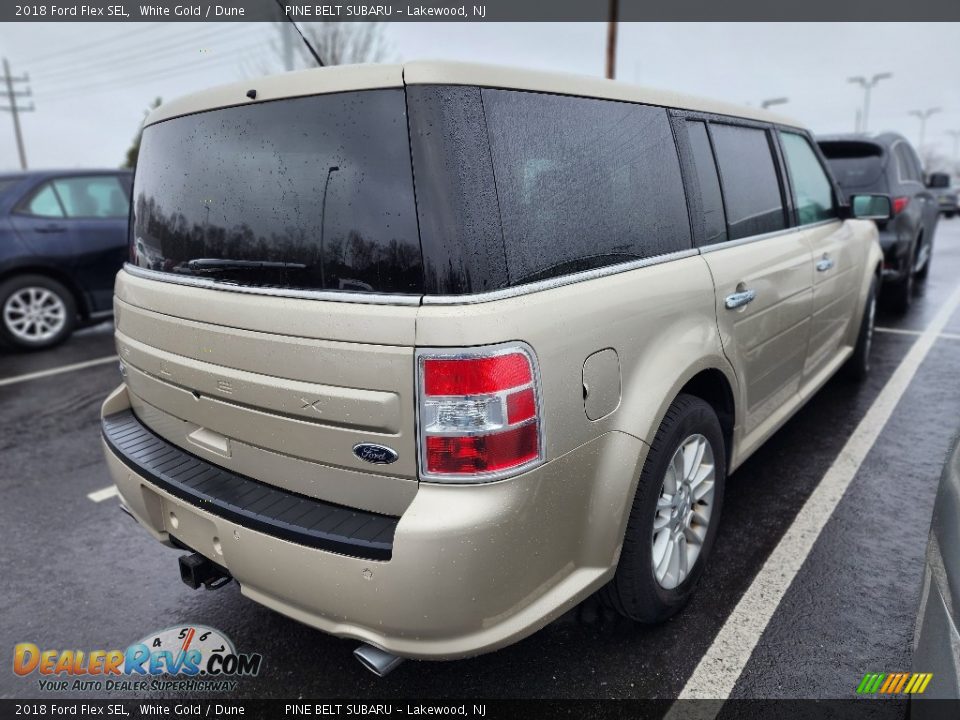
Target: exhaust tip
[[380, 662]]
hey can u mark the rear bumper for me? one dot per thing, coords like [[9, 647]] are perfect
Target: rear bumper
[[472, 567]]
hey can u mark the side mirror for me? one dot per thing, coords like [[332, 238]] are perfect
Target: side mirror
[[938, 180], [871, 207]]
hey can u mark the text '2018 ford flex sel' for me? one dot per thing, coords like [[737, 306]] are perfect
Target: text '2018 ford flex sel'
[[435, 351]]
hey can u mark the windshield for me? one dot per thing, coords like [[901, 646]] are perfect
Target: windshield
[[311, 193], [856, 165]]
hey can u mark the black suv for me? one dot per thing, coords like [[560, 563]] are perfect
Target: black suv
[[887, 163]]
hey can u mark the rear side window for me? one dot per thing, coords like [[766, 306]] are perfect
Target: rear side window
[[582, 183], [906, 164], [714, 219], [42, 203], [751, 188], [304, 193], [855, 164], [812, 191], [93, 197]]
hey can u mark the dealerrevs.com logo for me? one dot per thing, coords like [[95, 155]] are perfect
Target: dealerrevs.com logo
[[190, 658]]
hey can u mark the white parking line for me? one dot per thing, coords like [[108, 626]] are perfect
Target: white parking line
[[900, 331], [57, 371], [721, 666], [105, 494]]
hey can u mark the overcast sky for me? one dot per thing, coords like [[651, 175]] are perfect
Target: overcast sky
[[92, 81]]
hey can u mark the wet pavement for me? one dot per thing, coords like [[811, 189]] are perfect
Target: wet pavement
[[80, 574]]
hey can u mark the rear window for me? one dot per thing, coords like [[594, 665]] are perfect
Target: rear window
[[856, 165], [310, 193]]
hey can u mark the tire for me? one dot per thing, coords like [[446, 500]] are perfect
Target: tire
[[637, 591], [858, 366], [900, 294], [923, 273], [949, 215], [36, 312]]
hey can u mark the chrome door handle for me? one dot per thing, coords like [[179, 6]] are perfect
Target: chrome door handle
[[739, 299], [824, 264]]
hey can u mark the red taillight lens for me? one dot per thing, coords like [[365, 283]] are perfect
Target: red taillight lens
[[479, 413], [900, 204]]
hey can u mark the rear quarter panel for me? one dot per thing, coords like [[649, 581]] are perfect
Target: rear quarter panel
[[659, 319]]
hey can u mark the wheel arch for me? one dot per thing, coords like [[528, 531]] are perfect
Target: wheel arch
[[79, 298]]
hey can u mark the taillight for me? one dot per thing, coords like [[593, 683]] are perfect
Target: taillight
[[479, 413], [900, 204]]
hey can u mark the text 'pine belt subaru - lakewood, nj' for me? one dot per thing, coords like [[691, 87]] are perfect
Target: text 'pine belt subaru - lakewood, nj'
[[424, 355]]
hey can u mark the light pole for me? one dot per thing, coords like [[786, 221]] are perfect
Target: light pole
[[612, 41], [867, 86], [924, 116], [774, 101], [323, 216]]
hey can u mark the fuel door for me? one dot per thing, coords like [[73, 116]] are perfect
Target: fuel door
[[601, 383]]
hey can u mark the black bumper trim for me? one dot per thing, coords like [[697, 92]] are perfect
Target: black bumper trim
[[245, 501]]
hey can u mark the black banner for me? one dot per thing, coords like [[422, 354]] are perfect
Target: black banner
[[484, 709], [481, 11]]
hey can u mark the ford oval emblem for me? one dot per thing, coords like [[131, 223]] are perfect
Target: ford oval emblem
[[376, 454]]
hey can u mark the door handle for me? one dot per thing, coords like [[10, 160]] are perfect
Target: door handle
[[51, 229], [739, 299], [824, 264]]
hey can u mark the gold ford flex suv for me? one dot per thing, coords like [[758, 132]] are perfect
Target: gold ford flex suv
[[425, 354]]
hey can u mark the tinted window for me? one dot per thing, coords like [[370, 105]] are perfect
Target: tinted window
[[312, 193], [456, 195], [43, 203], [812, 191], [856, 165], [582, 183], [907, 165], [92, 197], [714, 220], [751, 188]]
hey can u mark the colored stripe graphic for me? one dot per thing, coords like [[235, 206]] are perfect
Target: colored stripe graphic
[[894, 683]]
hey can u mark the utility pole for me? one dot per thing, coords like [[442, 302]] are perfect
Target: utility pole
[[15, 109], [867, 86], [612, 41], [923, 115]]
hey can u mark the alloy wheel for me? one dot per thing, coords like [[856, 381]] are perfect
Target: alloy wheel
[[34, 314]]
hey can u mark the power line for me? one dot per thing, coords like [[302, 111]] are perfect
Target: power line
[[15, 109], [41, 60], [143, 78], [106, 62]]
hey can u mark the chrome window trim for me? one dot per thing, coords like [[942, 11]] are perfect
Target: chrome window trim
[[472, 299], [331, 295], [765, 236], [556, 282]]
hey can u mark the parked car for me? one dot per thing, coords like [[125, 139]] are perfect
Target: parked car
[[936, 639], [63, 238], [887, 163], [941, 186], [537, 375]]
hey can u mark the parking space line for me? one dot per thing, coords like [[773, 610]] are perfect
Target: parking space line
[[57, 370], [105, 494], [900, 331], [721, 666]]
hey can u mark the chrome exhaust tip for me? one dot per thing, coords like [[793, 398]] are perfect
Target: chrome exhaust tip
[[380, 662]]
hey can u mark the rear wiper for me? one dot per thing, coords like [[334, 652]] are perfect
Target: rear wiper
[[213, 265]]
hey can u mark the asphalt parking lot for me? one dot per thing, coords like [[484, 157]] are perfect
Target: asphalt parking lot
[[78, 573]]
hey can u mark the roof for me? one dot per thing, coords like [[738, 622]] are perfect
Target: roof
[[368, 77], [885, 138]]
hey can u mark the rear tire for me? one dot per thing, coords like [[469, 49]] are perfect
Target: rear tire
[[36, 312], [858, 366], [650, 583], [900, 294]]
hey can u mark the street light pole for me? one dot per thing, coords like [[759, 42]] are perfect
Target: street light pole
[[323, 216], [924, 115], [867, 86]]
